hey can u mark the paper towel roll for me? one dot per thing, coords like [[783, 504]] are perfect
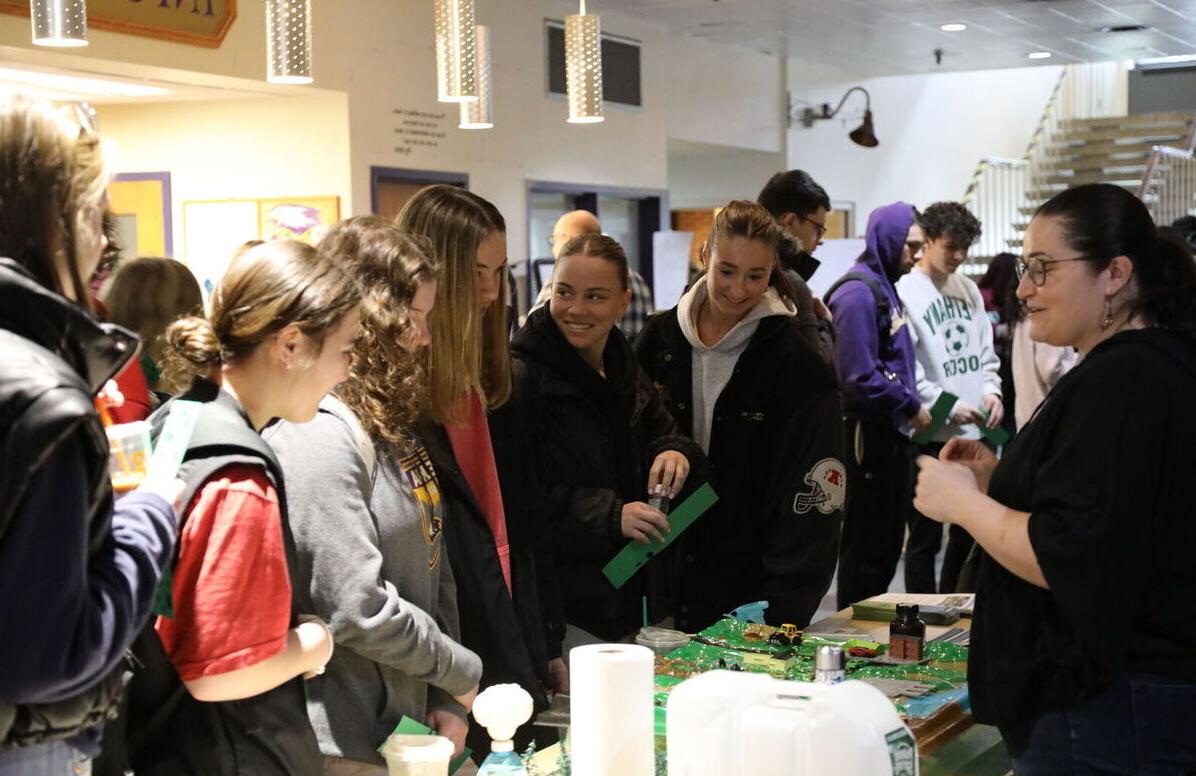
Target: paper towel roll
[[610, 709]]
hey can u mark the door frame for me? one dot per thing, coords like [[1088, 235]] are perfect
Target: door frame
[[380, 174]]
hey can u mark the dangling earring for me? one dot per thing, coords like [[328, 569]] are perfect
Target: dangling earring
[[1108, 321]]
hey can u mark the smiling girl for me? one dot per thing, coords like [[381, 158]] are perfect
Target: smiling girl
[[603, 439], [734, 371]]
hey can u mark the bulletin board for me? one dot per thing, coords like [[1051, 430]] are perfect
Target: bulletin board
[[141, 200], [214, 229]]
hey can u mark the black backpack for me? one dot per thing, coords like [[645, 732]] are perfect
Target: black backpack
[[884, 309]]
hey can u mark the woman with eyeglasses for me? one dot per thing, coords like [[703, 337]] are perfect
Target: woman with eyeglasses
[[77, 573], [1084, 638]]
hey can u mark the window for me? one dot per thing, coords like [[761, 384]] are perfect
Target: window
[[620, 66]]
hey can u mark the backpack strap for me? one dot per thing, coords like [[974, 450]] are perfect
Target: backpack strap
[[883, 307]]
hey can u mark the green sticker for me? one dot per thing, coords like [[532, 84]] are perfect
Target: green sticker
[[409, 727], [903, 752], [938, 417], [635, 555]]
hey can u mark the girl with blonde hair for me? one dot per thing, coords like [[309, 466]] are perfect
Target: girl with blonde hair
[[477, 442]]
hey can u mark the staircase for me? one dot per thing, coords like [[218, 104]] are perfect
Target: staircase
[[1117, 150]]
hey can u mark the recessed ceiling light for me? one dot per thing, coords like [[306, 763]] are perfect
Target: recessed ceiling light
[[953, 27], [1039, 55]]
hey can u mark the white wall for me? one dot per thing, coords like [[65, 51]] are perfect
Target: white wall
[[933, 129], [707, 176], [237, 149]]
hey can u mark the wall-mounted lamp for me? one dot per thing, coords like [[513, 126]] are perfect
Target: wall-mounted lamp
[[59, 23], [863, 135]]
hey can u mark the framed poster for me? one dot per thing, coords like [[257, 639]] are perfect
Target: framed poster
[[306, 219], [140, 202]]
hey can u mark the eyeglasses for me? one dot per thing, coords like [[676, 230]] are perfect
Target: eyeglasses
[[549, 240], [86, 116], [820, 227], [1037, 267]]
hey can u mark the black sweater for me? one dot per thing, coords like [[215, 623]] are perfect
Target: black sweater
[[776, 452], [594, 441]]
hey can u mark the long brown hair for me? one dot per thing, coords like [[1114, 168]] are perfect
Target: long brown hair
[[268, 288], [387, 383], [51, 173], [741, 218], [469, 350], [147, 295]]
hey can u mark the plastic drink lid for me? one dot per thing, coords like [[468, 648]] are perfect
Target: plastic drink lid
[[650, 635], [417, 749]]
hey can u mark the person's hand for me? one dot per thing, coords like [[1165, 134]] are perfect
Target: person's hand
[[995, 408], [558, 673], [467, 699], [973, 454], [921, 421], [822, 311], [942, 486], [447, 724], [963, 414], [111, 394], [171, 492], [670, 470], [644, 523]]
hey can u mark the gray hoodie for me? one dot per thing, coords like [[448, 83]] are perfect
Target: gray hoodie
[[372, 555], [714, 364]]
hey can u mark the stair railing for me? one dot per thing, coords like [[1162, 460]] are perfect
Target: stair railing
[[1169, 183], [998, 192]]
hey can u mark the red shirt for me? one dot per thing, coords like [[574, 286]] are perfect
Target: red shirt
[[475, 455], [231, 588], [132, 384]]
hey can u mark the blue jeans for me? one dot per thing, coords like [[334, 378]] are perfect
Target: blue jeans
[[1143, 724], [54, 759]]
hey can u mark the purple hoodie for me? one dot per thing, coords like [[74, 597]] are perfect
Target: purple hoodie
[[875, 370]]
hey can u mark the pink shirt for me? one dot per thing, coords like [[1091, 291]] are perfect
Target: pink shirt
[[475, 455]]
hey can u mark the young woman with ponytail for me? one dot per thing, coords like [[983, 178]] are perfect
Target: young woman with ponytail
[[737, 374], [281, 327], [1084, 638]]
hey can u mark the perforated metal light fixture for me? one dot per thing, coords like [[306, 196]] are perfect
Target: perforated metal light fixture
[[288, 41], [477, 114], [456, 51], [59, 23], [583, 67]]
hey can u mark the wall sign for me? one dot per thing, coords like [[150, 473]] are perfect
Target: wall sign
[[418, 129], [198, 22]]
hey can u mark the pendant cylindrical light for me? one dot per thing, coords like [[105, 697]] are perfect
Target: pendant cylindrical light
[[288, 41], [583, 67], [456, 51], [59, 23], [477, 114]]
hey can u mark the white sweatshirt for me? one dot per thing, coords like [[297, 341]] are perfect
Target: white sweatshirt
[[713, 365], [953, 343]]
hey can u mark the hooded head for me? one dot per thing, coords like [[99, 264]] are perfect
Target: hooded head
[[888, 230]]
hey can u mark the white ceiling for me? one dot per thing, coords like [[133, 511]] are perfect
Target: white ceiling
[[882, 37]]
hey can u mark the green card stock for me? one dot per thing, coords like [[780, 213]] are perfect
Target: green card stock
[[164, 463], [409, 727], [998, 436], [938, 416], [635, 555]]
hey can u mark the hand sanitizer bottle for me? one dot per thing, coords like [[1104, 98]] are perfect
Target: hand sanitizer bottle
[[501, 709]]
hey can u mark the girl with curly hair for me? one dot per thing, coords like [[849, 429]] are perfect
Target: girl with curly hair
[[368, 519]]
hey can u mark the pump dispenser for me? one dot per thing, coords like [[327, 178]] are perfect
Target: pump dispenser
[[501, 709]]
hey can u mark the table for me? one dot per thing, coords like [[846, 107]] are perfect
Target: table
[[949, 743]]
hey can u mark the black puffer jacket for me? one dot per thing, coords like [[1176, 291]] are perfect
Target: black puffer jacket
[[53, 359], [776, 452], [594, 441]]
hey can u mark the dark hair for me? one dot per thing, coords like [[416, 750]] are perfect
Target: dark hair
[[793, 191], [741, 218], [600, 247], [951, 220], [1001, 280], [1101, 222]]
